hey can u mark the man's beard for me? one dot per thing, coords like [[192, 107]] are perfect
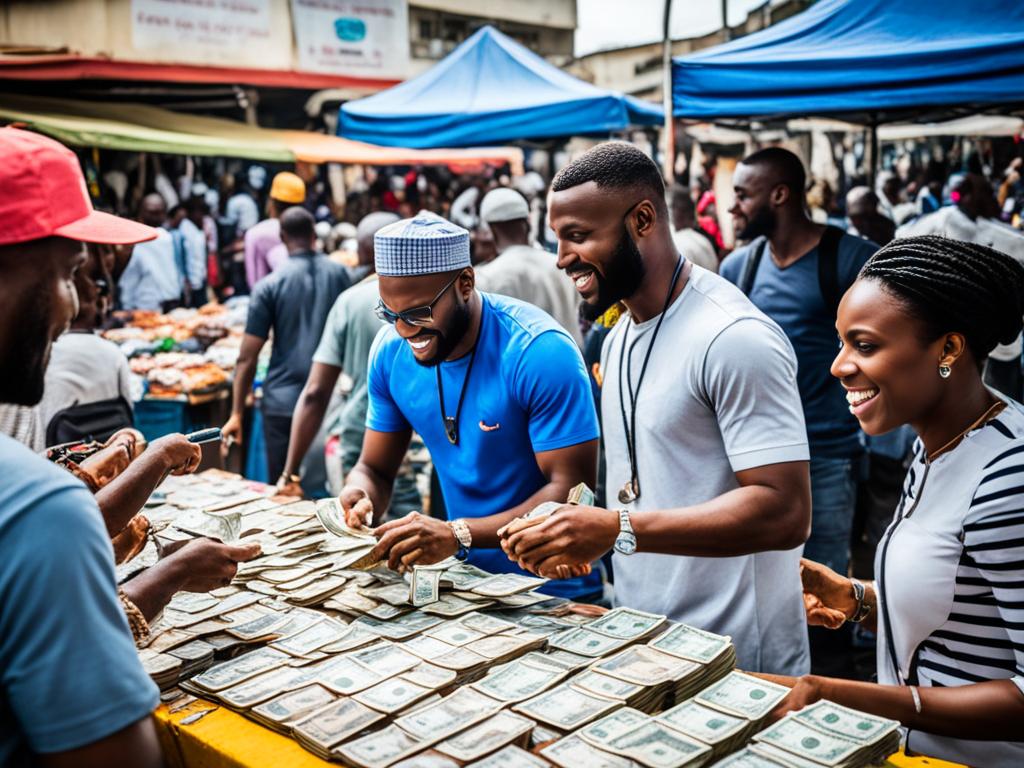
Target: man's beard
[[622, 278], [29, 352], [448, 339], [762, 223]]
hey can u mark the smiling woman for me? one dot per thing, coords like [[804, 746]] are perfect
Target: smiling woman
[[948, 603]]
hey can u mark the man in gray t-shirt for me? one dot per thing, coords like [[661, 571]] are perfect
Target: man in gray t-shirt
[[706, 450], [344, 346]]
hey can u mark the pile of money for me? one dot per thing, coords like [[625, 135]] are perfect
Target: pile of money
[[826, 733], [449, 665]]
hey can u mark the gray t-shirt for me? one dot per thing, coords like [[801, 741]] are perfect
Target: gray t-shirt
[[293, 301], [346, 341], [532, 275], [719, 397]]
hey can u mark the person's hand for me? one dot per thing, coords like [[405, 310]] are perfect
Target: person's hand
[[828, 597], [553, 569], [807, 690], [357, 507], [414, 539], [573, 536], [231, 433], [180, 457], [134, 442], [209, 564], [286, 487]]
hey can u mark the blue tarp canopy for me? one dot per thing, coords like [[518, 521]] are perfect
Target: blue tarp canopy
[[490, 90], [870, 61]]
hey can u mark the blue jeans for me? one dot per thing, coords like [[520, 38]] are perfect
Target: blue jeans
[[833, 499]]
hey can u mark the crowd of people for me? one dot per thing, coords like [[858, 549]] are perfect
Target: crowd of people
[[742, 459]]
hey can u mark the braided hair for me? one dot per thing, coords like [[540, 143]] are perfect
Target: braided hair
[[954, 286]]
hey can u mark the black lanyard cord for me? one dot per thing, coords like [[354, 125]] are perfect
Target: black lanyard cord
[[632, 491], [451, 424]]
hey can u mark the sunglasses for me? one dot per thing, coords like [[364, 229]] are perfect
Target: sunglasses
[[418, 316]]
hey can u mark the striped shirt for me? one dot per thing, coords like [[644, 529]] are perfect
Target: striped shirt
[[950, 574]]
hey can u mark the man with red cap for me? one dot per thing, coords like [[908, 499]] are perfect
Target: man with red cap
[[72, 689]]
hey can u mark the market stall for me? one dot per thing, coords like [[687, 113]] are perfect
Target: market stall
[[350, 662], [491, 90]]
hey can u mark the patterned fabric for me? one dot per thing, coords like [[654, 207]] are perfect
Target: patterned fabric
[[423, 245]]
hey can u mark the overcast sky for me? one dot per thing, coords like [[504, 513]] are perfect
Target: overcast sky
[[606, 24]]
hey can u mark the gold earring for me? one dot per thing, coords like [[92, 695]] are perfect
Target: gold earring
[[945, 370]]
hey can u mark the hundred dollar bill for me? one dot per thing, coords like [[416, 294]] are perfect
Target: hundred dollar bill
[[378, 749], [748, 758], [509, 757], [566, 708], [611, 727], [488, 736], [392, 695], [239, 669], [451, 714], [857, 726], [802, 740], [385, 658], [518, 680], [585, 643], [330, 726], [332, 518], [626, 623], [347, 677], [603, 685], [690, 643], [295, 704], [646, 666], [424, 587], [574, 752], [743, 695], [700, 722], [658, 747]]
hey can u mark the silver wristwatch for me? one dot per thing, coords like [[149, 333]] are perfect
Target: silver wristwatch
[[625, 542]]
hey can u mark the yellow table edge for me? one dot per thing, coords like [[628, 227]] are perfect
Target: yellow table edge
[[225, 739]]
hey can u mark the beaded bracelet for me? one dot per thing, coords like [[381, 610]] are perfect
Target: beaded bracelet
[[136, 621]]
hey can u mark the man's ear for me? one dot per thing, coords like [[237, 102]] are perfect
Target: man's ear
[[467, 282], [645, 217], [779, 195]]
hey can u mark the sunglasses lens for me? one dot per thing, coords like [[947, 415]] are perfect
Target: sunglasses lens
[[385, 314]]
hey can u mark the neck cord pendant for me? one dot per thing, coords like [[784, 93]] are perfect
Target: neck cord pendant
[[630, 491], [451, 423]]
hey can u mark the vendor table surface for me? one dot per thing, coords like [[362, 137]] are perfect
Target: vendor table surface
[[226, 739]]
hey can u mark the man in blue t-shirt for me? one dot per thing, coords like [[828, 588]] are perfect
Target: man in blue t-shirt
[[72, 689], [494, 386], [795, 271]]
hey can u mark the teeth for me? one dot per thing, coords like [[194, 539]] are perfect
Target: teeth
[[418, 344], [858, 397], [581, 280]]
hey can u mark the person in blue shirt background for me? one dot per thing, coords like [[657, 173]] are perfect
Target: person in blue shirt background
[[494, 386]]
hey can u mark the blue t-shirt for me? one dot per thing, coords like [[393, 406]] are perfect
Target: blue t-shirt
[[528, 393], [69, 672], [792, 298]]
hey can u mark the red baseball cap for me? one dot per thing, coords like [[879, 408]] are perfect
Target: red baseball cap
[[43, 193]]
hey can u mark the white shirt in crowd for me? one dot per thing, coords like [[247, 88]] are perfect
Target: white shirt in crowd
[[719, 397], [195, 253], [243, 211], [84, 368], [532, 275], [151, 276], [948, 578], [697, 248]]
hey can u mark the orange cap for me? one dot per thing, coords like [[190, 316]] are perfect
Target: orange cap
[[288, 188]]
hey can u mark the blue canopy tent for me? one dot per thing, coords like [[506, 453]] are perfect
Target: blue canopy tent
[[490, 90], [868, 61]]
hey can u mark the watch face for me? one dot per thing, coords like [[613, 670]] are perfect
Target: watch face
[[625, 544]]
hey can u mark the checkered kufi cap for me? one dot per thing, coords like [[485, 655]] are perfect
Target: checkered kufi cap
[[423, 245]]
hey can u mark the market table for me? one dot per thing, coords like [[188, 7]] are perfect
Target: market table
[[226, 739]]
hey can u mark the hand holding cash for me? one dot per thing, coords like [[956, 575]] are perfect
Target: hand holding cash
[[357, 506], [561, 543], [415, 539]]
